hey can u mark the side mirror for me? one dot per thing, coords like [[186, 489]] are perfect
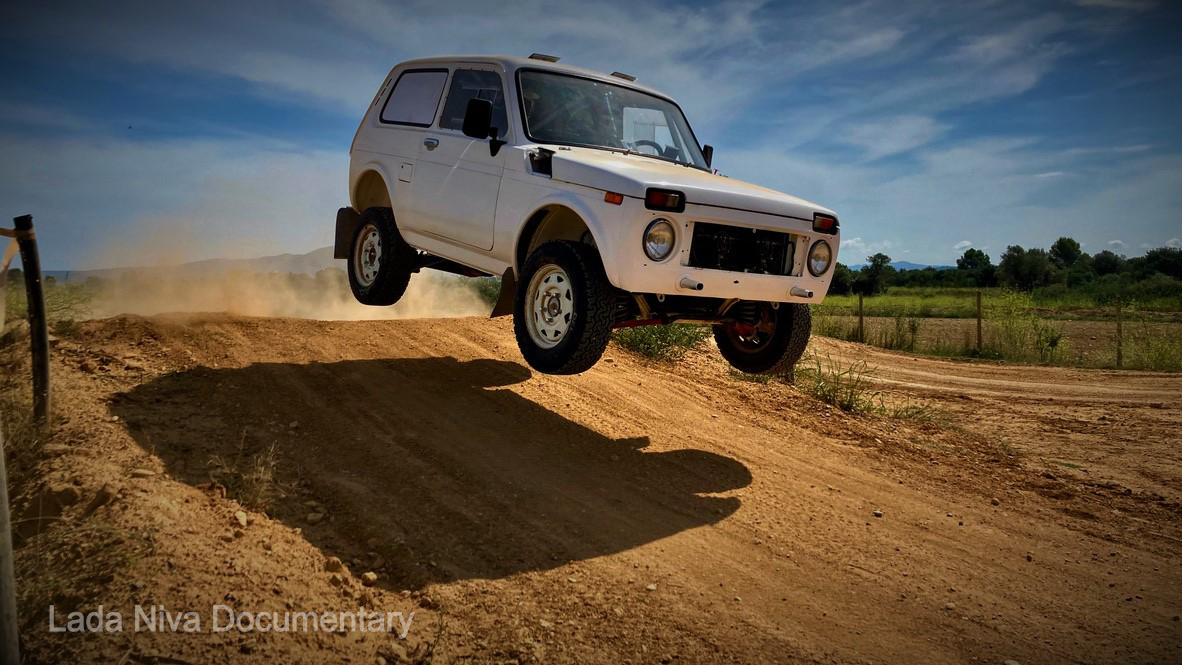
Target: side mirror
[[708, 154], [478, 118]]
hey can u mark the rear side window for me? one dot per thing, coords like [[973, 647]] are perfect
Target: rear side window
[[470, 84], [415, 98]]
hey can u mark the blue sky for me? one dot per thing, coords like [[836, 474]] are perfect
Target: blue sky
[[155, 132]]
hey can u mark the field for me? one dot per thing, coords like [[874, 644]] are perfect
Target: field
[[1050, 303], [645, 511], [1016, 327]]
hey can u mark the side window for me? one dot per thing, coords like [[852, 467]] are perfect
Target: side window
[[469, 84], [415, 98]]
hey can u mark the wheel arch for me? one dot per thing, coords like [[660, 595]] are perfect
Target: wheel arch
[[563, 219], [368, 190]]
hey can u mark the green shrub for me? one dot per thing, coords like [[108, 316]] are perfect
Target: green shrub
[[667, 342]]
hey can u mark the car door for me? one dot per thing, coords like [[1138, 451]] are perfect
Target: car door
[[406, 116], [456, 178]]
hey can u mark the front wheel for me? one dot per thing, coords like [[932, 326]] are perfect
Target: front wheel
[[562, 312], [771, 345]]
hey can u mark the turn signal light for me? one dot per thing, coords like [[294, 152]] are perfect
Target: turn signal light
[[824, 223], [664, 199], [613, 197]]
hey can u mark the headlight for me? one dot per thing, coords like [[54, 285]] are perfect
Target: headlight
[[820, 257], [658, 239]]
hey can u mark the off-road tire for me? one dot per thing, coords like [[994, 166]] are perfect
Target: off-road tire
[[591, 324], [395, 267], [779, 354]]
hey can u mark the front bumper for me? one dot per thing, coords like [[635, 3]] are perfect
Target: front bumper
[[635, 272]]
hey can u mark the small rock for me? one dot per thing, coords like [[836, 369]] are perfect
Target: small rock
[[947, 514], [369, 578], [240, 517], [1029, 556], [335, 580], [545, 624], [950, 606], [314, 518], [295, 424], [85, 366], [238, 533], [651, 587], [333, 565], [995, 501], [738, 599], [142, 473], [1014, 662], [877, 513]]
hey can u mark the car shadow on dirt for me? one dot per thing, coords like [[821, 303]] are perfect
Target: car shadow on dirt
[[428, 469]]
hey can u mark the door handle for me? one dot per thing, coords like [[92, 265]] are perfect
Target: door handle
[[431, 143]]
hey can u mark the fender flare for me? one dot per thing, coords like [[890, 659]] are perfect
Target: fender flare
[[594, 225]]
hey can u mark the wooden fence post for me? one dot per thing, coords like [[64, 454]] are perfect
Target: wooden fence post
[[980, 343], [861, 321], [1119, 350], [38, 328], [9, 637]]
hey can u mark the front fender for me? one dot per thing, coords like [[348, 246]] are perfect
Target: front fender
[[600, 218]]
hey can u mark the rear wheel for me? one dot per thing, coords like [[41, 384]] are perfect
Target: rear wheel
[[562, 312], [771, 345], [380, 261]]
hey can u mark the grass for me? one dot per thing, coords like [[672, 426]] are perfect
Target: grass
[[667, 342], [851, 388], [249, 477], [1016, 329], [64, 301], [961, 303]]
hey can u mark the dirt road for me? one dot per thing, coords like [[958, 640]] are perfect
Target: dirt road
[[635, 513]]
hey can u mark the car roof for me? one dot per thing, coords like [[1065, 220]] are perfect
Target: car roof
[[512, 63]]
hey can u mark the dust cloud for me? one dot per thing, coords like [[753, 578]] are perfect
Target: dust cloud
[[325, 295]]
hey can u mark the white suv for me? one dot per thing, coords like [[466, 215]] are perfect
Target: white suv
[[590, 197]]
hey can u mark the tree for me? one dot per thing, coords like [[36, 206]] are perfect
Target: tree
[[1024, 269], [1107, 262], [973, 259], [1065, 252], [1166, 260], [842, 283], [873, 277]]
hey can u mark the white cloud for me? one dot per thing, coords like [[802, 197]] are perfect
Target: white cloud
[[1116, 244], [893, 135], [962, 245], [857, 250], [1174, 243], [1049, 174]]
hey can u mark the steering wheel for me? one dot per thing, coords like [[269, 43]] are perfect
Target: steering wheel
[[649, 144]]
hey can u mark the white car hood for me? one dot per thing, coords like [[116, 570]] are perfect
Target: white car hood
[[631, 175]]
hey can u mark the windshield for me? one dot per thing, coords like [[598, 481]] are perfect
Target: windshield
[[564, 109]]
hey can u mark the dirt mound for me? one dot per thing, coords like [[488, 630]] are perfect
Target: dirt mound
[[638, 511]]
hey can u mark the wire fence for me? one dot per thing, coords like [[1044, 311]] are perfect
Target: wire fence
[[22, 240], [1007, 326]]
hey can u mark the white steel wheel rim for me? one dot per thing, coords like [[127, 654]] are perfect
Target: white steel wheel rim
[[367, 257], [551, 306]]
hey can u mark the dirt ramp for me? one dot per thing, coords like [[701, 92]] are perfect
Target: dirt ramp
[[431, 463]]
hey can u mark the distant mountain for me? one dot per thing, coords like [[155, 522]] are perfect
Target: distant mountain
[[308, 264], [907, 265]]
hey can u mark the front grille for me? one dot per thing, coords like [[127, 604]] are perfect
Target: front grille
[[737, 249]]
